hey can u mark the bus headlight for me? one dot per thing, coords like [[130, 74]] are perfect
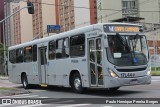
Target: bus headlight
[[112, 73], [149, 72]]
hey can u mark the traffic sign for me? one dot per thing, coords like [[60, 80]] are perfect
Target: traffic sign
[[53, 28]]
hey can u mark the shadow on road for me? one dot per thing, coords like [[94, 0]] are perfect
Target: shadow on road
[[94, 92]]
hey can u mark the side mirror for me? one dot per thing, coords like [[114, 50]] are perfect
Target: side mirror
[[105, 41]]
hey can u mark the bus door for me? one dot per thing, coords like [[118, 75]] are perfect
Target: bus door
[[95, 61], [43, 65]]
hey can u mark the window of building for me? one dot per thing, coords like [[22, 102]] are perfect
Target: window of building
[[128, 4], [52, 51], [77, 45], [28, 54], [19, 55], [62, 48]]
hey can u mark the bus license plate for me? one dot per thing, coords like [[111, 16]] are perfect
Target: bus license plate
[[134, 81], [127, 75]]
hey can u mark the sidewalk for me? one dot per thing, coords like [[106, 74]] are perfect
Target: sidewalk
[[8, 88], [4, 77]]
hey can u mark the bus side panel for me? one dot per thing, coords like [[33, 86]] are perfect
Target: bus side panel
[[16, 73], [10, 72], [59, 71], [32, 73], [55, 69], [28, 68]]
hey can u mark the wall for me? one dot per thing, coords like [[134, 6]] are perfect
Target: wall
[[82, 15], [151, 5], [26, 24], [110, 14], [48, 14]]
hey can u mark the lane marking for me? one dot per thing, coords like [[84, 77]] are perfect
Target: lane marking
[[25, 96], [155, 80], [2, 105], [42, 97], [14, 95], [75, 105], [33, 105], [106, 106]]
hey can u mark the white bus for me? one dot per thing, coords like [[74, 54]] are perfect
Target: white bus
[[105, 55]]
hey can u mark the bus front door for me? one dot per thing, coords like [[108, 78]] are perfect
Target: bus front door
[[43, 65], [95, 61]]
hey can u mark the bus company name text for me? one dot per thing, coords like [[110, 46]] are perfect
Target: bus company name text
[[21, 101]]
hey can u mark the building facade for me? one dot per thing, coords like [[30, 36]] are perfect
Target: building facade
[[1, 18], [109, 10], [27, 27], [72, 14], [8, 9], [22, 24]]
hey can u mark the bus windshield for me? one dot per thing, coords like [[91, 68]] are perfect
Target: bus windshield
[[127, 50]]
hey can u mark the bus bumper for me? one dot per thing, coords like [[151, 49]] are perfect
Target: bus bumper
[[119, 82]]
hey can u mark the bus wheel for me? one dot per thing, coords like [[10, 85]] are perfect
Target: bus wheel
[[77, 83], [25, 81]]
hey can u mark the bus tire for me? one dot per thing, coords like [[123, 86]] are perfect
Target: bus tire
[[25, 81], [77, 83]]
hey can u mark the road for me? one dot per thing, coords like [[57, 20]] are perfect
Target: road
[[71, 99]]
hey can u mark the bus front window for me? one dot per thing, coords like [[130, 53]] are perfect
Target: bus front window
[[127, 50]]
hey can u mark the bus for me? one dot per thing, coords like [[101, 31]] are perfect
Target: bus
[[104, 55]]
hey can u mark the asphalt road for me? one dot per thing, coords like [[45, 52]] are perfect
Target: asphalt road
[[65, 97]]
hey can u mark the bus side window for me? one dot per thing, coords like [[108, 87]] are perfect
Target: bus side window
[[65, 47], [19, 55], [34, 53], [62, 48], [52, 51], [12, 56], [59, 45], [28, 54], [77, 45]]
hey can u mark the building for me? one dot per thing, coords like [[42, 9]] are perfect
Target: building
[[8, 9], [72, 14], [1, 18], [22, 24], [26, 27], [109, 10], [44, 15]]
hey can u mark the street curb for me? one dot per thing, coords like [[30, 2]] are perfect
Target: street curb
[[4, 93], [3, 78]]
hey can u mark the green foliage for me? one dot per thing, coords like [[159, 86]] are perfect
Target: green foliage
[[2, 49], [155, 73]]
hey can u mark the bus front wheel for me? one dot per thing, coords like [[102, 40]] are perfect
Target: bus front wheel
[[77, 83], [25, 81]]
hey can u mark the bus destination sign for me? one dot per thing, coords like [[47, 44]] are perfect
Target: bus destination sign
[[113, 28]]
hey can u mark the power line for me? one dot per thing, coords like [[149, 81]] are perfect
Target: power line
[[81, 7]]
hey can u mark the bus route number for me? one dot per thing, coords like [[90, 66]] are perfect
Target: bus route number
[[127, 75]]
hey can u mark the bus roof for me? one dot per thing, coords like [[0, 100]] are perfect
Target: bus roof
[[68, 33]]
